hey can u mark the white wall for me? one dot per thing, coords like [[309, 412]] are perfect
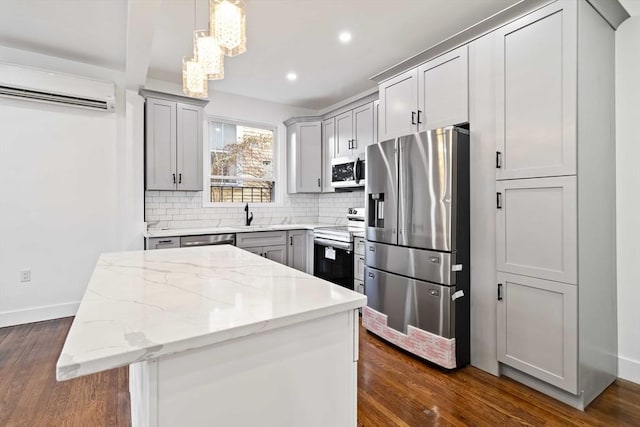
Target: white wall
[[628, 196], [176, 209], [69, 193]]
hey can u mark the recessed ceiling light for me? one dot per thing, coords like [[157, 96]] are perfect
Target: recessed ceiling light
[[345, 37], [292, 76]]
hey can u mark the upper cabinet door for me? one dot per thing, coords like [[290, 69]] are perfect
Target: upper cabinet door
[[189, 148], [443, 91], [536, 80], [309, 149], [537, 228], [398, 106], [344, 133], [328, 153], [160, 123], [363, 133]]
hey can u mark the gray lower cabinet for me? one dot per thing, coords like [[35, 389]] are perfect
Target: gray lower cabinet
[[173, 142], [537, 328], [162, 243], [297, 250], [268, 244], [358, 264]]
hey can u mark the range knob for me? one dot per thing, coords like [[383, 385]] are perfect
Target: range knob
[[351, 211]]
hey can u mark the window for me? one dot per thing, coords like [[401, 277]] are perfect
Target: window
[[240, 163]]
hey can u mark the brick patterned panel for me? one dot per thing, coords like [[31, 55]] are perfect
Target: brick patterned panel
[[429, 346]]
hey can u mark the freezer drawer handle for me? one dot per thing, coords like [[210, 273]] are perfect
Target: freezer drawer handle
[[435, 259], [499, 291]]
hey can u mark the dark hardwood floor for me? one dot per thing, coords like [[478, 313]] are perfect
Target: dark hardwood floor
[[31, 396], [394, 389]]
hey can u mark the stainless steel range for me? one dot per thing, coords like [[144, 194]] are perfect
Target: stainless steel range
[[333, 249]]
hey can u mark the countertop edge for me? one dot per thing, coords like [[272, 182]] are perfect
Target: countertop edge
[[177, 232], [74, 370]]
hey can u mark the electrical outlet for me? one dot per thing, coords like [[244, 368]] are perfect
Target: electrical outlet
[[25, 275]]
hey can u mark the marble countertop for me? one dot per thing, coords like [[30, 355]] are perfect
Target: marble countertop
[[173, 232], [146, 304]]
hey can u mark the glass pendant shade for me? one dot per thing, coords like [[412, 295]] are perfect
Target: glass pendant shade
[[228, 25], [208, 53], [194, 81]]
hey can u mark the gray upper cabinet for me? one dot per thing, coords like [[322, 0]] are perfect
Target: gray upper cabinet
[[189, 147], [537, 228], [398, 103], [328, 152], [161, 137], [304, 154], [537, 329], [443, 91], [173, 142], [354, 130], [344, 134], [536, 101], [433, 95]]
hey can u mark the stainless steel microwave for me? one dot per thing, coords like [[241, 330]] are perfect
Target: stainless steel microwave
[[348, 172]]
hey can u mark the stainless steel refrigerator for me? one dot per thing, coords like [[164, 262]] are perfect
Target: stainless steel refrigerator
[[417, 232]]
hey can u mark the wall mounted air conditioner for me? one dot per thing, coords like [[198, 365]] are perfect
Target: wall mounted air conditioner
[[32, 84]]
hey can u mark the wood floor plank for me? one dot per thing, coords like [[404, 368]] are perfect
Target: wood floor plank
[[394, 389]]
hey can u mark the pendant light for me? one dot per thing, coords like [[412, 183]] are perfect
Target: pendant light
[[208, 53], [227, 25], [194, 80]]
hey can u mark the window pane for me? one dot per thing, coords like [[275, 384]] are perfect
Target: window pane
[[241, 163]]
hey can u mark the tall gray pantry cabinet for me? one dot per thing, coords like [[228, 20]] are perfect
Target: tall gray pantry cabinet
[[173, 142], [555, 201]]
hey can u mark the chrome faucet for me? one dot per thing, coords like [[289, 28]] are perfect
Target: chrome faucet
[[248, 218]]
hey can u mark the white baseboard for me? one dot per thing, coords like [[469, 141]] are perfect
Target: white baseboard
[[629, 369], [38, 314]]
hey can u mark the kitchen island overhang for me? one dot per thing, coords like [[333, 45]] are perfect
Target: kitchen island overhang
[[214, 333]]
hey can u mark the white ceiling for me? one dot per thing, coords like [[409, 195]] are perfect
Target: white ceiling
[[282, 36]]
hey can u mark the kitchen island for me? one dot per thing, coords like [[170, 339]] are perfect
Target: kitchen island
[[219, 336]]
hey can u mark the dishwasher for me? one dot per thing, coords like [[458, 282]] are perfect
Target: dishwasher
[[208, 240]]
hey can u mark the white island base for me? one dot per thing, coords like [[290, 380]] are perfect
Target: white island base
[[304, 374]]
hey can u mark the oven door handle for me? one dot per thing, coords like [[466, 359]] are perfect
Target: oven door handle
[[333, 243]]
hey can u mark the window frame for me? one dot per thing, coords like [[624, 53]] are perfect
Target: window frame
[[277, 146]]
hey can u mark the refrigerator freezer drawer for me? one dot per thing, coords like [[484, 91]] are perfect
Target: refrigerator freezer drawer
[[419, 263], [410, 302]]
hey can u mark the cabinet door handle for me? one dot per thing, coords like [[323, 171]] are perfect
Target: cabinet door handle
[[498, 160], [499, 291], [413, 117], [290, 240], [498, 200], [349, 144], [318, 182], [419, 112], [179, 178], [164, 242], [174, 178]]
